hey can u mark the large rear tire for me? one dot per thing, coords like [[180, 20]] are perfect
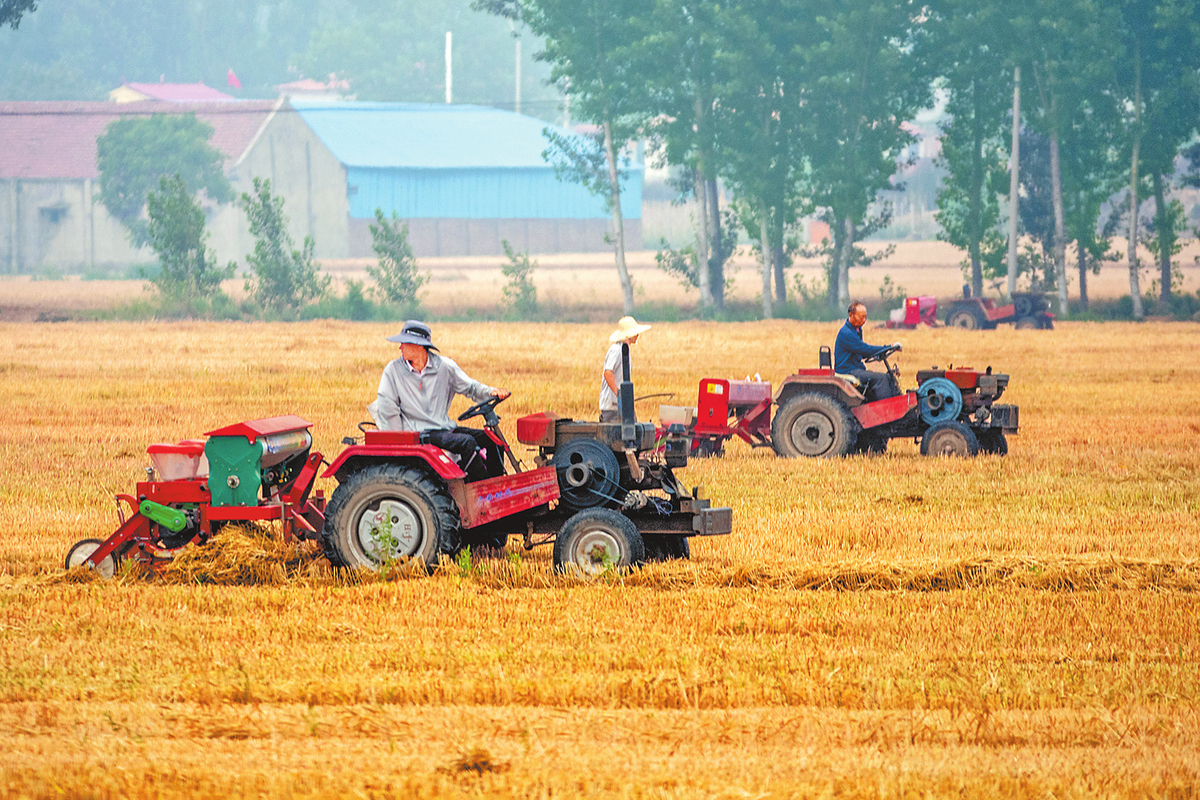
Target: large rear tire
[[598, 539], [949, 439], [968, 317], [388, 513], [813, 425]]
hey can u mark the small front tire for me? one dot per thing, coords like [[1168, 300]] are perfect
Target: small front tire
[[949, 439], [993, 442], [598, 539], [668, 548]]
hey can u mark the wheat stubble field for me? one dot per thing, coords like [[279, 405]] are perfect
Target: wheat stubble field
[[885, 627]]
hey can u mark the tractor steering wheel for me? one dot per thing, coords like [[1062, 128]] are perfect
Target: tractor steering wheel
[[889, 351], [485, 408]]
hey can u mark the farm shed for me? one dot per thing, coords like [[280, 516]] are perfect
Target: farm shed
[[51, 219], [464, 178]]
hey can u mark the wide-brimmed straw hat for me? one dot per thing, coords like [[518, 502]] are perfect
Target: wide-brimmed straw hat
[[414, 332], [627, 328]]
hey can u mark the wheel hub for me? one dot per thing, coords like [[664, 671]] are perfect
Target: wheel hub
[[812, 433], [596, 551], [389, 530]]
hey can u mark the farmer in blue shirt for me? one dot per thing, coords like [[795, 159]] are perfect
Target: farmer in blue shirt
[[849, 350]]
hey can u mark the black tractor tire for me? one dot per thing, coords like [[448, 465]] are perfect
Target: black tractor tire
[[424, 518], [870, 443], [949, 438], [813, 425], [1027, 324], [667, 548], [1023, 305], [993, 442], [966, 317], [598, 539]]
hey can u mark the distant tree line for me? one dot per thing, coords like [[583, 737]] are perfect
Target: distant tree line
[[799, 106]]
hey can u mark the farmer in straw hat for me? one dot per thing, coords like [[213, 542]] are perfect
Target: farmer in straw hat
[[610, 379], [415, 393]]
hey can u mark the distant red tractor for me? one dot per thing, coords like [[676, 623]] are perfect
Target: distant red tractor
[[1028, 310], [820, 414]]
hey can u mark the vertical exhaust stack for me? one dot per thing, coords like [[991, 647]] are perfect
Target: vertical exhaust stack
[[629, 435]]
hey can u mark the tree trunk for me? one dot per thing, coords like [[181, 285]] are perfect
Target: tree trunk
[[975, 206], [702, 266], [1164, 230], [1135, 289], [777, 256], [836, 234], [1083, 271], [844, 266], [717, 253], [614, 185], [764, 227], [1060, 236], [703, 270], [1014, 183]]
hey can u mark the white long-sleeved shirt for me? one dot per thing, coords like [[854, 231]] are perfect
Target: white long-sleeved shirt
[[420, 401]]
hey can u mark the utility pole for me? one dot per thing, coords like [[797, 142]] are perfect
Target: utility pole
[[449, 71], [1014, 182], [518, 89]]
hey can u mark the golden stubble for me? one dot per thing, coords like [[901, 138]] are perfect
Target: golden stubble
[[874, 627]]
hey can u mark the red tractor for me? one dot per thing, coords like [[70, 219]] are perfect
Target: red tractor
[[604, 494], [821, 414], [1027, 311]]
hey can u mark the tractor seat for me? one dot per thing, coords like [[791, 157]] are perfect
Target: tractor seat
[[850, 379]]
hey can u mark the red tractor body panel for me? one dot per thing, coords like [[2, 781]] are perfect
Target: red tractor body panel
[[435, 457], [488, 500], [263, 427], [916, 310], [748, 403], [881, 412], [820, 380], [537, 429]]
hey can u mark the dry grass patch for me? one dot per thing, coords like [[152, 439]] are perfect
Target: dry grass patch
[[875, 627]]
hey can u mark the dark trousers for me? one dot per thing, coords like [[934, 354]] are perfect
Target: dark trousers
[[478, 455], [876, 385]]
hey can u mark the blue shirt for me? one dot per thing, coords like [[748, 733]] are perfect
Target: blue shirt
[[850, 349]]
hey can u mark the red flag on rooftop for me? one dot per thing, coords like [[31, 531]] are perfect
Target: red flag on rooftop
[[232, 80]]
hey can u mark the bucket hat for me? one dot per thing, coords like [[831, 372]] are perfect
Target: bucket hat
[[414, 332], [627, 327]]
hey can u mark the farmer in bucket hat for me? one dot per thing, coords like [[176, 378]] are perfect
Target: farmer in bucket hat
[[415, 393], [613, 373]]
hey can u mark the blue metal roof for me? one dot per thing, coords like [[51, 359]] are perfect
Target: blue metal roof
[[425, 135], [426, 160]]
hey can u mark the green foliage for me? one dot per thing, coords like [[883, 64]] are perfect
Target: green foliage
[[285, 279], [520, 295], [11, 11], [891, 294], [176, 233], [397, 279], [133, 154]]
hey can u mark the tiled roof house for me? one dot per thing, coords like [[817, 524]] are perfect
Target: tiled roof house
[[49, 216]]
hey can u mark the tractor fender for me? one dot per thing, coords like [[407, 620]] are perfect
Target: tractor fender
[[830, 384], [358, 457]]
